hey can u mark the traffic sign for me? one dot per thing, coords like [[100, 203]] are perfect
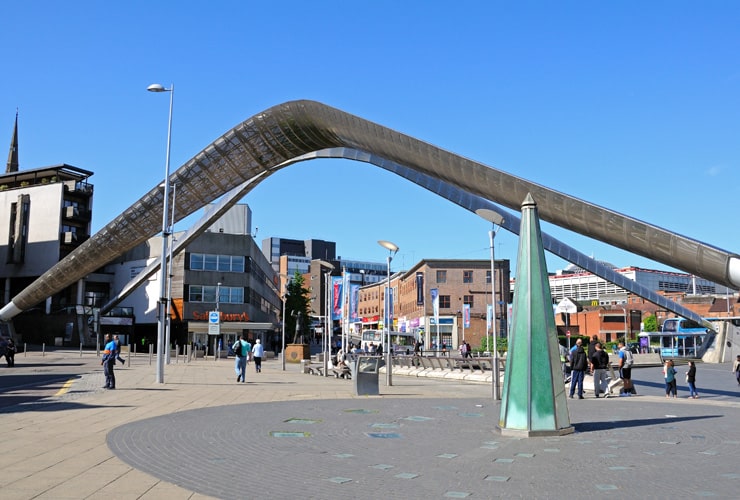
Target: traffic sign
[[566, 306], [214, 323]]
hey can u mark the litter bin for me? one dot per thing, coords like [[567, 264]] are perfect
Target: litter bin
[[365, 375]]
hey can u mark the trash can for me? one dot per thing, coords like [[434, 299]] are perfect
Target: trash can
[[365, 375]]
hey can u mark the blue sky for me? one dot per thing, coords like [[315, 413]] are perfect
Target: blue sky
[[631, 105]]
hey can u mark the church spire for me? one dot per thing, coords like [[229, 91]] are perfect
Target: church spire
[[12, 165]]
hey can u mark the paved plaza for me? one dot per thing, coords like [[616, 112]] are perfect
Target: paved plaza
[[291, 435]]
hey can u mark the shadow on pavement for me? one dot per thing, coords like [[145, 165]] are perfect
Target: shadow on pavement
[[603, 426], [702, 390], [51, 405]]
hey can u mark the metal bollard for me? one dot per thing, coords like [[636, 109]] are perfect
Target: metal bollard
[[151, 352], [25, 350], [43, 349]]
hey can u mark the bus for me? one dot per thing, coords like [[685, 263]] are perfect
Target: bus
[[401, 342], [678, 338]]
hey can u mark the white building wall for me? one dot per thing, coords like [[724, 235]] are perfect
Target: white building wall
[[44, 227]]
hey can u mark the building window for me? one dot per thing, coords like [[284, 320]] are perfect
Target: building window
[[488, 276], [444, 301], [442, 276], [207, 294], [467, 276], [223, 263], [468, 299]]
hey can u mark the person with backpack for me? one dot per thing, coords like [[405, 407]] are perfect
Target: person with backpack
[[625, 368], [241, 350]]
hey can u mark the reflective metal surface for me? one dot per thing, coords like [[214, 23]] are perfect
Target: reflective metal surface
[[264, 143]]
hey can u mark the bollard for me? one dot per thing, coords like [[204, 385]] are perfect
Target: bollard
[[80, 349], [151, 352], [43, 349], [25, 350], [128, 354]]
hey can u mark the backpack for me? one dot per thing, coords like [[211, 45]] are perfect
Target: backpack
[[237, 348], [628, 359]]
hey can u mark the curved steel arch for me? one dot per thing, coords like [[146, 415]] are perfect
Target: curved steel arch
[[264, 143]]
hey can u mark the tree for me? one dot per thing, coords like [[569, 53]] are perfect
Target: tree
[[650, 323], [296, 307]]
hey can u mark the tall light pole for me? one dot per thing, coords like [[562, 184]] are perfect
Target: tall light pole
[[494, 218], [163, 298], [392, 250], [328, 330], [285, 299], [626, 332], [170, 274]]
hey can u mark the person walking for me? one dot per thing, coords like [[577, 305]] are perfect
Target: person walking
[[599, 364], [241, 352], [669, 374], [257, 353], [691, 380], [736, 369], [108, 361], [579, 364], [118, 349], [10, 352], [625, 369]]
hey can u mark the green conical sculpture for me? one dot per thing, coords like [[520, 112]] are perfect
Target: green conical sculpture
[[533, 402]]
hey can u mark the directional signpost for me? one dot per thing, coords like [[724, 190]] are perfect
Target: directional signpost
[[568, 307]]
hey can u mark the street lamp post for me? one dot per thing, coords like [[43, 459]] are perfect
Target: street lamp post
[[285, 300], [494, 218], [392, 250], [626, 332], [170, 274], [163, 298], [327, 311]]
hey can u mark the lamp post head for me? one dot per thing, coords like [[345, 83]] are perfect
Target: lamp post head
[[157, 87], [490, 216], [392, 247]]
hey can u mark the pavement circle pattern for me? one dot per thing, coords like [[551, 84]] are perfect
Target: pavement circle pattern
[[436, 448]]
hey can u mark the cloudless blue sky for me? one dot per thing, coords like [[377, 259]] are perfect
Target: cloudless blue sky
[[631, 105]]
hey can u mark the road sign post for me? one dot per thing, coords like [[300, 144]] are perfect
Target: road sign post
[[214, 323]]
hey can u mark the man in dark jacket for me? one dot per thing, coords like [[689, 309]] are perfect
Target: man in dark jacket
[[578, 365], [599, 364]]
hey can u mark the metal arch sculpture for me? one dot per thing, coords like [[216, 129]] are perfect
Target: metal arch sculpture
[[263, 144]]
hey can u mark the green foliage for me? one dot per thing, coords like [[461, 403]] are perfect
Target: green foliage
[[651, 323], [297, 306], [486, 345]]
